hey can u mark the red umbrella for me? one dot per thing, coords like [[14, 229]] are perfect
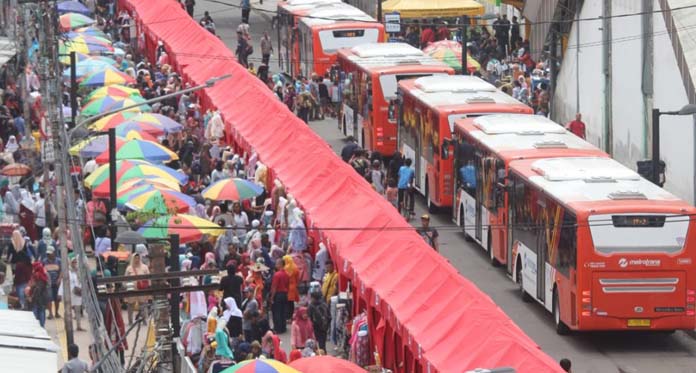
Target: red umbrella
[[322, 364], [15, 169]]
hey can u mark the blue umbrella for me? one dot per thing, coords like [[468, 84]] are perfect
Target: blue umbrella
[[87, 67], [73, 7]]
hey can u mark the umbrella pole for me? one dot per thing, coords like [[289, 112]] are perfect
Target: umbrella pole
[[112, 185], [73, 88], [465, 40]]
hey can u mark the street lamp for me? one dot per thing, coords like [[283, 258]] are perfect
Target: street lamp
[[689, 109]]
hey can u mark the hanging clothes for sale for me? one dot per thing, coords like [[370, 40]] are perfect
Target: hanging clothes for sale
[[359, 341]]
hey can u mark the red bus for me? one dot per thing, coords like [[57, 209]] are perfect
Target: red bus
[[428, 107], [322, 32], [600, 247], [289, 13], [483, 149], [372, 72]]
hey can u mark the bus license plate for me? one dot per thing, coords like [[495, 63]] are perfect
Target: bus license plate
[[638, 322]]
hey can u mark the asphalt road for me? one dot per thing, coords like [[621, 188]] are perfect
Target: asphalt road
[[605, 352]]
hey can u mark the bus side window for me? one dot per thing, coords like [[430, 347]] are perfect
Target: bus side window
[[567, 244]]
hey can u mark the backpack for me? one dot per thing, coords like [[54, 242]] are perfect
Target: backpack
[[320, 315]]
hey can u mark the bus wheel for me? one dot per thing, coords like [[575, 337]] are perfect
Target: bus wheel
[[431, 207], [561, 327], [493, 260], [520, 282]]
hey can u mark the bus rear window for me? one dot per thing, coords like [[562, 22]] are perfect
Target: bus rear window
[[348, 33], [638, 233]]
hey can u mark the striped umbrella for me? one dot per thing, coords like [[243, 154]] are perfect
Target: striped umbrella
[[129, 169], [93, 146], [132, 134], [79, 57], [160, 201], [103, 39], [168, 124], [92, 31], [82, 44], [106, 78], [260, 366], [233, 189], [107, 103], [69, 21], [73, 6], [112, 121], [189, 228], [124, 186], [87, 67], [125, 127], [140, 150], [115, 90]]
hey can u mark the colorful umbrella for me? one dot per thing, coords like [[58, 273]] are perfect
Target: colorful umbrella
[[91, 30], [260, 366], [115, 90], [168, 124], [131, 134], [106, 78], [160, 201], [140, 150], [189, 228], [450, 52], [73, 7], [326, 363], [15, 169], [124, 186], [82, 44], [104, 104], [93, 146], [124, 127], [112, 121], [79, 57], [102, 39], [232, 190], [87, 67], [129, 169], [69, 21]]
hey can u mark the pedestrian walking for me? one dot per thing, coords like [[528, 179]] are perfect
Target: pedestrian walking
[[75, 293], [74, 365], [189, 6], [53, 267], [302, 329], [319, 314], [246, 9], [428, 233], [279, 297], [38, 292], [266, 48]]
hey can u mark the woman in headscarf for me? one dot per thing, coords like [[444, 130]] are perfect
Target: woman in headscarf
[[136, 267], [223, 241], [38, 291], [298, 232], [22, 274], [293, 292], [12, 203], [223, 347], [46, 241], [233, 318], [243, 267], [215, 213], [271, 348], [302, 329], [12, 144]]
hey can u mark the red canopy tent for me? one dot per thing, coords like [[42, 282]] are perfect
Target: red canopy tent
[[422, 312]]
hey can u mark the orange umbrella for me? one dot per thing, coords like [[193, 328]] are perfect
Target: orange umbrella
[[15, 169]]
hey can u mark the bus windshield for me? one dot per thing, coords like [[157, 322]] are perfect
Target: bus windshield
[[658, 233], [389, 82], [333, 40]]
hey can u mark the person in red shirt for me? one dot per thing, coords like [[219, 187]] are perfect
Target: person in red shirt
[[427, 36], [443, 33], [279, 297], [577, 127]]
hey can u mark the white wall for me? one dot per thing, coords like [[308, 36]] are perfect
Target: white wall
[[591, 77], [628, 110], [676, 133]]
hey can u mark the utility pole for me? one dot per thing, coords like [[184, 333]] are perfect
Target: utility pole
[[23, 45], [465, 41], [53, 109]]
